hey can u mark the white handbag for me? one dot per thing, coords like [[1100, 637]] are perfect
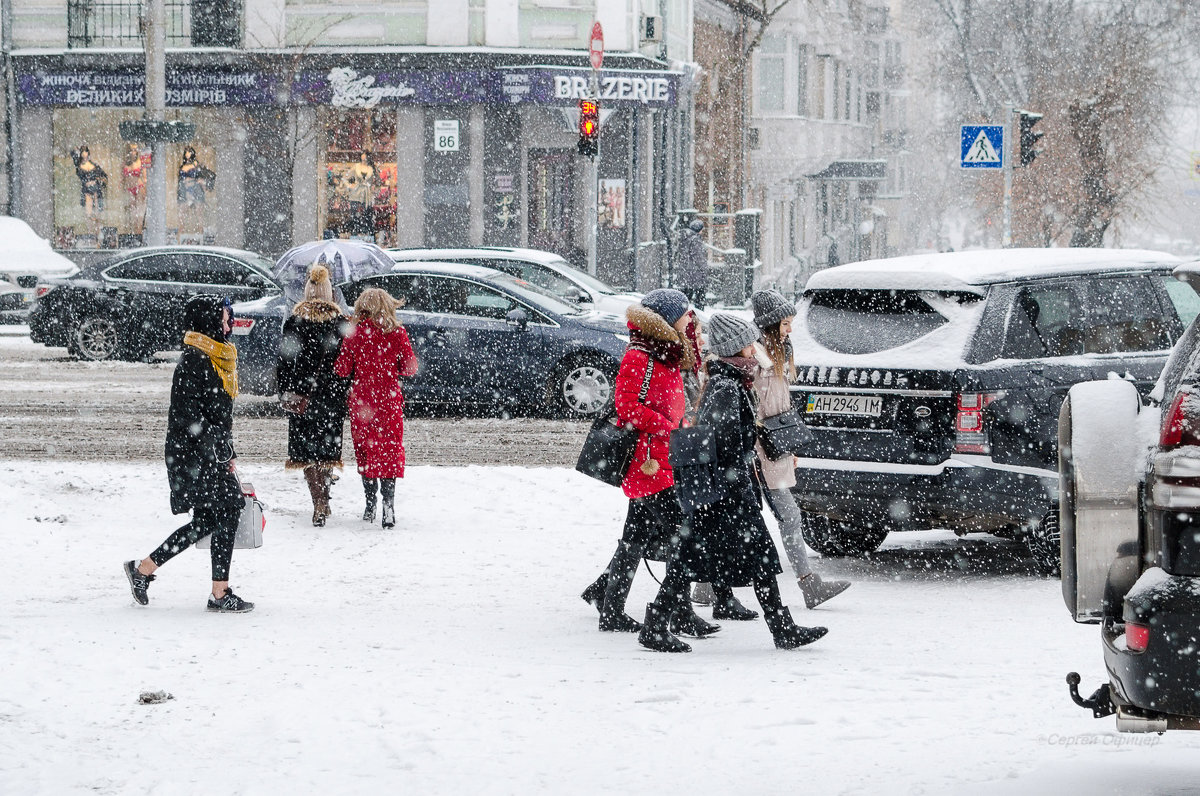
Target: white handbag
[[250, 524]]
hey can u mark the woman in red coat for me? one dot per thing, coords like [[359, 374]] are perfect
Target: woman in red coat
[[377, 354], [650, 397]]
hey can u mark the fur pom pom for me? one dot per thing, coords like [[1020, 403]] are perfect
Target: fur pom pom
[[650, 466], [318, 274]]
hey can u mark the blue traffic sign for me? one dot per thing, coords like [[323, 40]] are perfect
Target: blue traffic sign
[[982, 146]]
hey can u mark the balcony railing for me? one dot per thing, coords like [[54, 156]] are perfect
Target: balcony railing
[[118, 23]]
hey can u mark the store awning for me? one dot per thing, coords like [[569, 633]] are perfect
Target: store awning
[[850, 170]]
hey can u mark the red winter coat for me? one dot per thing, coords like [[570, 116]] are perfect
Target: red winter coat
[[377, 361], [655, 417]]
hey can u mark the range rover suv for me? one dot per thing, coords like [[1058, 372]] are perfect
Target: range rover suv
[[1130, 520], [933, 384]]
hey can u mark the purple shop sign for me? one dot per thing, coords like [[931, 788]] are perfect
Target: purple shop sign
[[126, 88], [566, 86], [343, 87]]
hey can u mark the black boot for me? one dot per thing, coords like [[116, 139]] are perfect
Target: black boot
[[387, 490], [686, 622], [369, 487], [620, 577], [727, 606], [594, 594], [786, 633], [656, 634]]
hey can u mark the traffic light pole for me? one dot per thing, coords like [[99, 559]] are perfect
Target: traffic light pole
[[593, 187], [1009, 146], [156, 91]]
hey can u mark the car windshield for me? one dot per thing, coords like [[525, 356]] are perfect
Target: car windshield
[[534, 294], [591, 282], [867, 321], [262, 265]]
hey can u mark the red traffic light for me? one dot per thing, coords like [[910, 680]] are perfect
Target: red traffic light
[[589, 127]]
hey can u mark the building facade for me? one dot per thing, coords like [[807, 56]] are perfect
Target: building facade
[[405, 122], [827, 138]]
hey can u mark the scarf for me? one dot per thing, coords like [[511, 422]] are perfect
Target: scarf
[[668, 352], [746, 367], [223, 357]]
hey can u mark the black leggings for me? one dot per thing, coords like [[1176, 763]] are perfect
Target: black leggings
[[220, 521], [674, 590]]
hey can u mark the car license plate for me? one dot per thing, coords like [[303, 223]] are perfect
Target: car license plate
[[862, 405]]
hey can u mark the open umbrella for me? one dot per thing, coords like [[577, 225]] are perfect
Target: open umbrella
[[346, 260]]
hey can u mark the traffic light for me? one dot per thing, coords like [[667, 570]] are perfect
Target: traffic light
[[1028, 137], [589, 128]]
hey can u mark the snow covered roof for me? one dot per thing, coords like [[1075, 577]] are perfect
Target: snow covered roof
[[971, 271]]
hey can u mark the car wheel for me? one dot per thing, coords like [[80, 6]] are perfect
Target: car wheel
[[96, 338], [834, 538], [1045, 544], [583, 387]]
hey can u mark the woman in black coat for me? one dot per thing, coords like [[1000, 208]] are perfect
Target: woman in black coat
[[313, 395], [199, 452], [728, 544]]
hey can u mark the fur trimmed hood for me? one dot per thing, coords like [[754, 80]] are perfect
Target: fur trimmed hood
[[762, 357], [317, 310], [651, 324]]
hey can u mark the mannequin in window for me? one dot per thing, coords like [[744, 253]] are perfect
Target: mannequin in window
[[194, 181], [359, 182], [133, 182], [93, 182]]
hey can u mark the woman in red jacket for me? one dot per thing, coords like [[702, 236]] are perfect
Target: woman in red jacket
[[649, 396], [377, 354]]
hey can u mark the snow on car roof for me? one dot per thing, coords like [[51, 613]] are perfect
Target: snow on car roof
[[24, 251], [970, 271]]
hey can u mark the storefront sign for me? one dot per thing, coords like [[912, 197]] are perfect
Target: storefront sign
[[126, 88], [344, 87]]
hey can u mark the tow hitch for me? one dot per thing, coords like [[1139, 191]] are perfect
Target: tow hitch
[[1100, 702]]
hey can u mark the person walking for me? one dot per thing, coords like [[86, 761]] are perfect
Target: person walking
[[649, 396], [201, 464], [311, 393], [773, 315], [376, 355], [727, 542], [691, 269]]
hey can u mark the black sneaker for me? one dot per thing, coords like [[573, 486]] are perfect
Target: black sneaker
[[138, 583], [229, 603]]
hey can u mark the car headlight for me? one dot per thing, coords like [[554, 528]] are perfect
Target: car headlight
[[624, 338]]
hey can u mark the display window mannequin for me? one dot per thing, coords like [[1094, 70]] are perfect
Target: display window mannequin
[[133, 182], [93, 182], [194, 181], [358, 184]]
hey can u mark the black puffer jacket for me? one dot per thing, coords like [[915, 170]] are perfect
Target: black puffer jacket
[[199, 443]]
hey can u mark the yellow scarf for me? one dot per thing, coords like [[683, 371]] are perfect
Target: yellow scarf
[[222, 355]]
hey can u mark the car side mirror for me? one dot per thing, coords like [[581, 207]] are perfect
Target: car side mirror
[[256, 281], [518, 318], [577, 296]]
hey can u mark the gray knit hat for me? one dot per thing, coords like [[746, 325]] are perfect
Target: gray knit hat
[[770, 307], [671, 304], [728, 334]]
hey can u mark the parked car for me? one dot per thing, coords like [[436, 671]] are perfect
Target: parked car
[[1129, 469], [24, 258], [544, 269], [933, 384], [131, 304], [484, 339]]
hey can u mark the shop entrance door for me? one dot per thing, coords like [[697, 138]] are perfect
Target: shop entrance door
[[552, 212]]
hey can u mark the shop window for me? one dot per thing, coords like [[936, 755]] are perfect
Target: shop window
[[100, 181], [359, 189], [190, 23]]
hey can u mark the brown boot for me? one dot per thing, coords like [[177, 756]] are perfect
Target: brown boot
[[316, 488]]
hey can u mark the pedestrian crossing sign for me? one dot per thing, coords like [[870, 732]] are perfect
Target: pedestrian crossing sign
[[982, 146]]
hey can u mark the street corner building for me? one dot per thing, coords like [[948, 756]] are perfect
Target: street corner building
[[409, 124]]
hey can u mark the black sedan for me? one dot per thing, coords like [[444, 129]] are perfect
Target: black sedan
[[483, 338], [131, 304]]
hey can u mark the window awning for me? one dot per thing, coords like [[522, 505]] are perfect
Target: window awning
[[852, 170]]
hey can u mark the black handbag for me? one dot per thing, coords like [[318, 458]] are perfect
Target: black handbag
[[608, 450], [693, 457], [784, 434]]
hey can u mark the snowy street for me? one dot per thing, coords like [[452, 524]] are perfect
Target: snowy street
[[454, 655]]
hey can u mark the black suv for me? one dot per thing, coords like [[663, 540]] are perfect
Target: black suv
[[933, 383], [1130, 514], [131, 304]]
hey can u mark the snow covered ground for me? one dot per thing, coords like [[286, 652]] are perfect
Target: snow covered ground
[[453, 655]]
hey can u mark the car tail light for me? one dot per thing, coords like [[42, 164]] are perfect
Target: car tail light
[[1182, 425], [1137, 637], [41, 290], [243, 325], [969, 433]]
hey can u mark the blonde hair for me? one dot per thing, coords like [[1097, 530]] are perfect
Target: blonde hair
[[777, 350], [377, 305]]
